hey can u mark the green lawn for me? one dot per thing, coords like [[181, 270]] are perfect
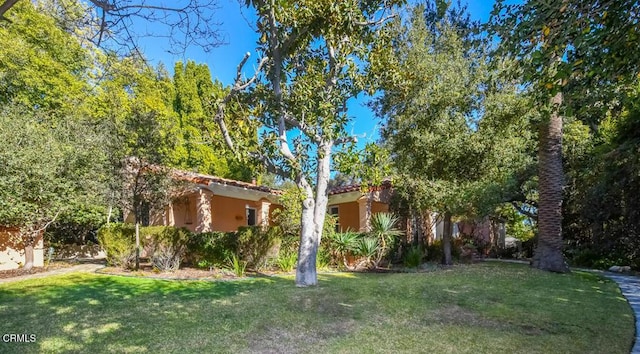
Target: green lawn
[[485, 308]]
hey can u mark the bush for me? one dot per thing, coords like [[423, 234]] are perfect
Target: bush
[[413, 257], [237, 265], [119, 243], [435, 253], [287, 262], [257, 246], [167, 246], [212, 248]]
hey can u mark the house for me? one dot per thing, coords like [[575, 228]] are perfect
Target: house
[[349, 204], [12, 250], [217, 204]]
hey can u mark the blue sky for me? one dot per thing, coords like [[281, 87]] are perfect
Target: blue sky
[[240, 38]]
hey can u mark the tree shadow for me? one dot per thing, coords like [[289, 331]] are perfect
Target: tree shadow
[[81, 312]]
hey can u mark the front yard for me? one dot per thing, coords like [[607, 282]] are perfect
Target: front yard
[[484, 308]]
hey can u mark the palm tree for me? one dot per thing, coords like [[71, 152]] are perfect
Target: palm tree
[[548, 253]]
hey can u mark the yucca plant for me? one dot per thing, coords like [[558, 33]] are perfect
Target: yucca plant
[[383, 229], [345, 243], [368, 248]]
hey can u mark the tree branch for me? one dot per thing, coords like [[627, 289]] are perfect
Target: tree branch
[[238, 86], [524, 211], [344, 140], [376, 22], [306, 129], [6, 5]]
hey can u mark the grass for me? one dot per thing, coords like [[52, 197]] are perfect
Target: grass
[[486, 308]]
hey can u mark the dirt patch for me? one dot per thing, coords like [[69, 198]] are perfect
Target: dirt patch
[[11, 273], [458, 316], [299, 339]]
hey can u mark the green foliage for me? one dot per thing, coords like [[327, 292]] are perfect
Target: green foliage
[[383, 228], [237, 265], [368, 248], [287, 261], [413, 257], [257, 246], [118, 241], [344, 242], [288, 217], [49, 168], [42, 66], [77, 225], [199, 142], [165, 245], [212, 248]]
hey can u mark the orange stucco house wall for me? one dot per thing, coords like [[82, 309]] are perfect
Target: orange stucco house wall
[[218, 204], [350, 203]]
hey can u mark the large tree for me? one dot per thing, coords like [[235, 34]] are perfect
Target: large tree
[[200, 145], [428, 109], [121, 24], [48, 165], [453, 123], [569, 51], [41, 66], [312, 59]]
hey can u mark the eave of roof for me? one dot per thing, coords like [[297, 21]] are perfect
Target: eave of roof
[[199, 178], [386, 184]]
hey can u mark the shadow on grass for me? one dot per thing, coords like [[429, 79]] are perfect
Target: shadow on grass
[[102, 313], [87, 312]]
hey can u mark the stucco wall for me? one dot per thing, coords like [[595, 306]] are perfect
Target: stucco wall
[[349, 216], [227, 214], [12, 250], [184, 212], [230, 213], [378, 207]]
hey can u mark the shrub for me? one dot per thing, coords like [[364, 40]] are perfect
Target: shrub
[[368, 248], [435, 252], [256, 246], [343, 244], [413, 257], [212, 248], [237, 265], [167, 246], [119, 243], [287, 262]]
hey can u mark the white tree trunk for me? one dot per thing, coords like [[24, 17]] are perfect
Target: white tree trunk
[[306, 273], [314, 211]]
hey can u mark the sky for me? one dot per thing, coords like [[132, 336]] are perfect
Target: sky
[[240, 38]]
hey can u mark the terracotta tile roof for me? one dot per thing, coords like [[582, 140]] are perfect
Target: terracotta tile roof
[[386, 184], [207, 179]]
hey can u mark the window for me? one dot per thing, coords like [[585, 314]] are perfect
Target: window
[[251, 216], [333, 211]]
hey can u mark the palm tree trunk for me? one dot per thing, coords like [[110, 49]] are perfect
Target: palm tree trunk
[[548, 253]]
